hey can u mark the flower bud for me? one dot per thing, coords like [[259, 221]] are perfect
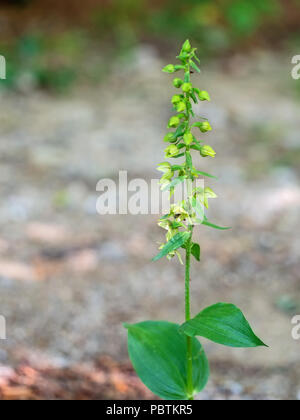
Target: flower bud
[[181, 106], [171, 151], [187, 87], [210, 193], [177, 82], [184, 55], [164, 167], [187, 47], [203, 95], [205, 126], [174, 122], [167, 177], [207, 151], [169, 138], [170, 68], [176, 99], [165, 224], [188, 138]]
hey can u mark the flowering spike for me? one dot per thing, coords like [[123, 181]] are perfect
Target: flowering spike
[[182, 373]]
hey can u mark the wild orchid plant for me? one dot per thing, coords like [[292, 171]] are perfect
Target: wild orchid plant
[[167, 357]]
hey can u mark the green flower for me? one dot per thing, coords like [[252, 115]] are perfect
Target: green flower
[[179, 213], [187, 87], [181, 106], [208, 193], [171, 151], [165, 224], [188, 138], [174, 122], [169, 138], [166, 179], [203, 95], [164, 167], [176, 99], [205, 126], [170, 68], [177, 83], [207, 151]]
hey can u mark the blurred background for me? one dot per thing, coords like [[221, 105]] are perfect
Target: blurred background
[[84, 98]]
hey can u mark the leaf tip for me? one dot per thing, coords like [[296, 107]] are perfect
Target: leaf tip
[[262, 344]]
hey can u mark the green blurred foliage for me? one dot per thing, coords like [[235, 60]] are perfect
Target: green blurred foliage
[[44, 61], [246, 17], [220, 25], [54, 61]]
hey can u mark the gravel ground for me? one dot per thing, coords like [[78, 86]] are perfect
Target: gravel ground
[[69, 277]]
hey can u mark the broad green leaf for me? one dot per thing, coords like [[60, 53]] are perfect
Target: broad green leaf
[[158, 353], [196, 251], [175, 182], [176, 242], [224, 324]]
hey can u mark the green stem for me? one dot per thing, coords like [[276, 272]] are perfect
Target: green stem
[[188, 315], [188, 304], [188, 280]]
